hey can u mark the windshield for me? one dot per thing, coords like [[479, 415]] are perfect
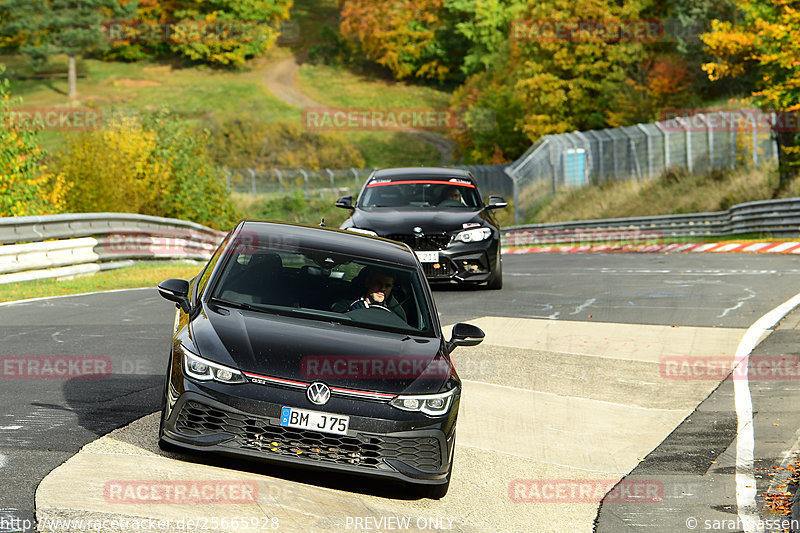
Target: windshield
[[440, 193], [326, 286]]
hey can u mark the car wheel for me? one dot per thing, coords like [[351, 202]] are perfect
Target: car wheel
[[496, 283]]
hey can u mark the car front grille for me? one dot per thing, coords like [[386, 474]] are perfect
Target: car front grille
[[431, 242], [258, 434], [442, 269]]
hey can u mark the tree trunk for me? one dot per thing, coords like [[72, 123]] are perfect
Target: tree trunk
[[73, 78]]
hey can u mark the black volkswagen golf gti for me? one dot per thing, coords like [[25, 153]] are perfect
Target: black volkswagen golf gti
[[314, 347], [440, 214]]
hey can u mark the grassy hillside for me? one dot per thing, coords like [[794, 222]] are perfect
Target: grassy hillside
[[672, 193]]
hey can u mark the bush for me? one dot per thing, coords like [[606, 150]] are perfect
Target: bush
[[249, 142], [26, 188], [153, 166]]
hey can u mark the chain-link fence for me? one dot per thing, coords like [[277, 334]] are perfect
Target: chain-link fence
[[697, 142], [330, 183]]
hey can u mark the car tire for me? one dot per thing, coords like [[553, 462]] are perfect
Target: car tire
[[496, 283]]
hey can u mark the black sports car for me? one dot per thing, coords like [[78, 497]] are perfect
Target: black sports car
[[440, 214], [316, 347]]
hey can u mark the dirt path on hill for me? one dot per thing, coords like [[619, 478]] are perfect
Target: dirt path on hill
[[281, 80]]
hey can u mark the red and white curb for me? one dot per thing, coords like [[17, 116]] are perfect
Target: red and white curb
[[714, 247]]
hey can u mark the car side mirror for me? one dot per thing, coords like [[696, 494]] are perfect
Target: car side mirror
[[465, 335], [345, 202], [496, 202], [176, 290]]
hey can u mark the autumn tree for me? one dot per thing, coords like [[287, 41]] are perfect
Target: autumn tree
[[222, 32], [26, 187], [764, 40]]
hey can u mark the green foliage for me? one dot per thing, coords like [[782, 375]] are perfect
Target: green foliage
[[195, 190], [246, 141], [26, 188], [218, 32], [292, 208], [155, 166], [51, 27], [764, 42]]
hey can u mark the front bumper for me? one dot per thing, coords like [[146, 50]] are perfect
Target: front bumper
[[464, 263], [201, 423]]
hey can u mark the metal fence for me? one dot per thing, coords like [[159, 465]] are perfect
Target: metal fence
[[698, 143], [330, 183]]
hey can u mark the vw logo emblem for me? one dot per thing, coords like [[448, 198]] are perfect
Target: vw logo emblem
[[318, 393], [417, 229]]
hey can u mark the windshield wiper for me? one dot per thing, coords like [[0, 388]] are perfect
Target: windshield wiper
[[240, 305]]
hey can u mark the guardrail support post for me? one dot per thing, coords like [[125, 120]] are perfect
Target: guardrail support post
[[333, 183], [649, 150], [355, 173], [252, 179], [305, 180], [755, 144], [280, 178], [227, 177]]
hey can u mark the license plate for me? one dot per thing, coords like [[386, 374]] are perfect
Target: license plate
[[428, 257], [324, 422]]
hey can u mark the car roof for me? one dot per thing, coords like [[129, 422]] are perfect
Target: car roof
[[418, 172], [282, 234]]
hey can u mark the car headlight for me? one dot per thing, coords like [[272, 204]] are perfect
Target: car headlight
[[204, 370], [474, 235], [430, 404], [363, 231]]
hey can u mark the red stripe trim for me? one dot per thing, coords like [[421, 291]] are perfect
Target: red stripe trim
[[434, 182], [334, 389], [374, 394], [276, 380]]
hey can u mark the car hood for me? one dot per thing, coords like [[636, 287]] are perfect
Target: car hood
[[307, 350], [385, 221]]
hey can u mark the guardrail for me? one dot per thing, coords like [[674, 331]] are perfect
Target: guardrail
[[774, 217], [74, 244]]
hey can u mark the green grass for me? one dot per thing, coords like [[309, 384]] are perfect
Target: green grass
[[338, 87], [675, 192], [147, 274], [293, 208]]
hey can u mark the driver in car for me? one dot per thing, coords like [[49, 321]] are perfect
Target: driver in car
[[378, 285]]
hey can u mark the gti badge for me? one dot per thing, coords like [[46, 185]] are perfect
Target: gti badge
[[318, 393]]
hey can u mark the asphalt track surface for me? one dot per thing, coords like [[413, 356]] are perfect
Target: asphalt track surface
[[45, 421]]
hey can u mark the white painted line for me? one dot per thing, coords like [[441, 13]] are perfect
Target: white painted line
[[728, 247], [3, 460], [10, 428], [4, 304], [745, 441], [783, 247], [756, 247]]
